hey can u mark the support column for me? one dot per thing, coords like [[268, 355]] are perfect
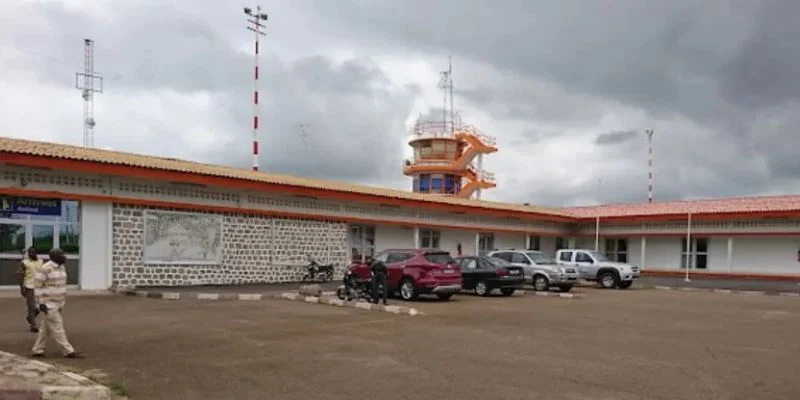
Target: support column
[[477, 243], [644, 252], [416, 237], [571, 242], [730, 253], [527, 241]]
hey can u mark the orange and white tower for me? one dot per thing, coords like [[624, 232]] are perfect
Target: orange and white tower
[[448, 154]]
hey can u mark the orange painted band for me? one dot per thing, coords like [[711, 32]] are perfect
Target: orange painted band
[[92, 167], [700, 234], [236, 210]]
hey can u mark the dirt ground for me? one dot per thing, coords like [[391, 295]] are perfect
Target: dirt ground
[[637, 344]]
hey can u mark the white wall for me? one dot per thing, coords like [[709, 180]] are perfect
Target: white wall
[[393, 237], [505, 240], [96, 245], [765, 254], [450, 238], [661, 252]]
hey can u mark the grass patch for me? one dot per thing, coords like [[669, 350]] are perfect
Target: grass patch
[[119, 391]]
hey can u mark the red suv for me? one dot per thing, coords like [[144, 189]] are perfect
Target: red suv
[[417, 271]]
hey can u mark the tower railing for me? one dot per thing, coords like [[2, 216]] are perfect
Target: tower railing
[[448, 130]]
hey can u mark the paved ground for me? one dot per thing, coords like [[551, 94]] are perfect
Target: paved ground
[[733, 284], [618, 345]]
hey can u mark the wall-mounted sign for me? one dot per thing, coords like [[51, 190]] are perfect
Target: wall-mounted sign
[[30, 205]]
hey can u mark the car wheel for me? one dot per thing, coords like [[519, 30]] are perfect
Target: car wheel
[[608, 280], [408, 291], [625, 284], [507, 291], [341, 293], [444, 296], [565, 288], [540, 283], [482, 289]]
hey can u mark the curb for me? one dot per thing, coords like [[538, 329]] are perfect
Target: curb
[[557, 294], [727, 291], [84, 388], [361, 305], [325, 299]]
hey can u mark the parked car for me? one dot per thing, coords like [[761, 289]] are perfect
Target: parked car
[[413, 272], [541, 270], [484, 274], [595, 266]]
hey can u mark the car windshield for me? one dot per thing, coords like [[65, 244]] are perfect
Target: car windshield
[[441, 258], [598, 256], [541, 258], [497, 262]]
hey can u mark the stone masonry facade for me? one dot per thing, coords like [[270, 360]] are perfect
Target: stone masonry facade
[[256, 249]]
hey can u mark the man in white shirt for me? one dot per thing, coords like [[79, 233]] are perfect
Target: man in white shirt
[[27, 274], [50, 287]]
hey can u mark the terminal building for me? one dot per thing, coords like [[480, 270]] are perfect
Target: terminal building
[[134, 220]]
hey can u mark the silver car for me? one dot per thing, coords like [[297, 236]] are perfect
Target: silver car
[[541, 270]]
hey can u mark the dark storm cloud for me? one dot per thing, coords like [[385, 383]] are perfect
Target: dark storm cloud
[[611, 138], [717, 80]]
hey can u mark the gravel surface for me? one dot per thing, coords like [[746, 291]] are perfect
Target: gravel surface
[[637, 344]]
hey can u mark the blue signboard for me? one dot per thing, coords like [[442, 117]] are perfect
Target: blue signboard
[[30, 205]]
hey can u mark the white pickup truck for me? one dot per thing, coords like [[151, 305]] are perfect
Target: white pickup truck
[[595, 266]]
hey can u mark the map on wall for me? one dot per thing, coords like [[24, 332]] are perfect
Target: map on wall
[[182, 238]]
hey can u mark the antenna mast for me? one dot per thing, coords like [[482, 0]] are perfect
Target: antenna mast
[[255, 19], [649, 133], [446, 84], [89, 83]]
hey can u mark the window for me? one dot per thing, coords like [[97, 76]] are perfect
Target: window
[[450, 183], [561, 243], [397, 257], [566, 256], [504, 256], [534, 242], [540, 258], [437, 149], [425, 183], [429, 238], [583, 257], [441, 258], [485, 243], [518, 258], [362, 242], [617, 250], [437, 183], [698, 256], [469, 263]]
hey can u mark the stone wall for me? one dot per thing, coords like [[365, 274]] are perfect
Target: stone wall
[[256, 249]]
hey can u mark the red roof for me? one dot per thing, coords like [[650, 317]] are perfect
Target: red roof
[[707, 206]]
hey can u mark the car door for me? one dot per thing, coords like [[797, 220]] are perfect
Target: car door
[[585, 264], [394, 267], [520, 260], [485, 271], [469, 269]]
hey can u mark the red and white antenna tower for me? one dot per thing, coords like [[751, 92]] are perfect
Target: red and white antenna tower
[[649, 133], [89, 83], [255, 18]]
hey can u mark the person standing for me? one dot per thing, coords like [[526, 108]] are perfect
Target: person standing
[[50, 286], [379, 281], [27, 273]]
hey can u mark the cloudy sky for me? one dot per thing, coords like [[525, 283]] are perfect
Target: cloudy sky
[[566, 86]]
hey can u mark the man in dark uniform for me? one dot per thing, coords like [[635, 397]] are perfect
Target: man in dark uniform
[[379, 281]]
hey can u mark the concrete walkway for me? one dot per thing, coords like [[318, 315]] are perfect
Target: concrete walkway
[[23, 378]]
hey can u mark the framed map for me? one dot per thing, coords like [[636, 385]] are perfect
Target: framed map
[[172, 237]]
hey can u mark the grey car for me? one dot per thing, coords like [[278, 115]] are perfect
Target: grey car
[[541, 270]]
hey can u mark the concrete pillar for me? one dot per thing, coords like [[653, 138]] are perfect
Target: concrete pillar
[[730, 253], [416, 237], [571, 242], [477, 243], [644, 252]]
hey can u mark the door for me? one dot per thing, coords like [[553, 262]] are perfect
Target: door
[[394, 266], [12, 245], [519, 260], [585, 264], [468, 270]]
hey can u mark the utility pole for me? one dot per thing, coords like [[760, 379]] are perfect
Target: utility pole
[[88, 83], [255, 18], [649, 133]]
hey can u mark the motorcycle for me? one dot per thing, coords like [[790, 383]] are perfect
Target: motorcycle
[[316, 271], [356, 288]]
